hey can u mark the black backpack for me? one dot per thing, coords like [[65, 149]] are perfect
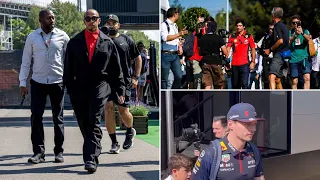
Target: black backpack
[[188, 45]]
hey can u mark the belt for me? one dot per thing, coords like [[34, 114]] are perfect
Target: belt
[[170, 52]]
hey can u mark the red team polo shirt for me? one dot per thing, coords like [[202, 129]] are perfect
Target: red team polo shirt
[[242, 43]]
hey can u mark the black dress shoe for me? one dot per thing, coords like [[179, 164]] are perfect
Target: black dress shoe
[[37, 158], [59, 158], [91, 167]]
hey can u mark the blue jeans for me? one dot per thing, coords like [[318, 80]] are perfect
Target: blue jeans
[[252, 79], [170, 61]]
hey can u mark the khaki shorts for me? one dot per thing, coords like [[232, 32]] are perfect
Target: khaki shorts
[[212, 74]]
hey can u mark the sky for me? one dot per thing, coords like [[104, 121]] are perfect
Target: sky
[[213, 6]]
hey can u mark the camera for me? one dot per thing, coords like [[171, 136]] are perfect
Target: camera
[[223, 33], [105, 30], [193, 135], [298, 24]]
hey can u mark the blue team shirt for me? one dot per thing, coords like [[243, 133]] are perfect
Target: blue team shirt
[[234, 165]]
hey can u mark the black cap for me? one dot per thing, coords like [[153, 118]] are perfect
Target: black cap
[[112, 17]]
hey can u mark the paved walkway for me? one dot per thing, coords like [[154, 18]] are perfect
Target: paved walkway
[[140, 162]]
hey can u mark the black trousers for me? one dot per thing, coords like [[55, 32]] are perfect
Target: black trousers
[[240, 76], [39, 93], [88, 104]]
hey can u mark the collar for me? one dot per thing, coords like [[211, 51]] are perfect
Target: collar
[[169, 21], [40, 30], [243, 34], [227, 146], [94, 34], [169, 178]]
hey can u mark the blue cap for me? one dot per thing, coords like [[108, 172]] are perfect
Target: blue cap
[[244, 112]]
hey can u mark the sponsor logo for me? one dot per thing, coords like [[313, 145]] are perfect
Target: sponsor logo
[[225, 158], [223, 146], [246, 36], [230, 145], [251, 162], [222, 165], [226, 169], [233, 117], [202, 153], [235, 40], [198, 163], [251, 166], [246, 41]]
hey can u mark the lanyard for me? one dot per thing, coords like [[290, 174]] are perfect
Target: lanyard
[[44, 41]]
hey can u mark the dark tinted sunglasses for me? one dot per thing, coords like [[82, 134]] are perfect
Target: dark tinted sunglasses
[[93, 18], [295, 22]]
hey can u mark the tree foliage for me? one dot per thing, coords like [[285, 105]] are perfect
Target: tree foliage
[[20, 33], [257, 14], [190, 16], [140, 36], [33, 18], [68, 18]]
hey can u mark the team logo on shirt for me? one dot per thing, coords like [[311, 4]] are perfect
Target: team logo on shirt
[[198, 163], [246, 41], [223, 146], [246, 36], [225, 158], [235, 40]]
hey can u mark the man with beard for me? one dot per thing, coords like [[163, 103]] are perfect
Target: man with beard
[[92, 67], [233, 156], [46, 46], [127, 50]]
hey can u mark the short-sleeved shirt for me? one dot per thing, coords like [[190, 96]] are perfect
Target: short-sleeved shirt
[[210, 44], [299, 47], [316, 59], [280, 31], [234, 164], [241, 44], [173, 29], [127, 51]]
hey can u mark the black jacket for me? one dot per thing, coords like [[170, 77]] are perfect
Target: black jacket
[[104, 67]]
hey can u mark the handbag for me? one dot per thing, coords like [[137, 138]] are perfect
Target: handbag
[[311, 48]]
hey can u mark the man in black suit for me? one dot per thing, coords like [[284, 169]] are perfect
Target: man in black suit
[[92, 67]]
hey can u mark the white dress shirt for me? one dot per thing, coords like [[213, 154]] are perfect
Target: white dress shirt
[[47, 62], [316, 59], [169, 45]]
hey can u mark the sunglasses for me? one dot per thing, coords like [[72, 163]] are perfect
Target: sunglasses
[[295, 22], [93, 18]]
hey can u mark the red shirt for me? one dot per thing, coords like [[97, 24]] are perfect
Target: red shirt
[[195, 55], [242, 43], [91, 40]]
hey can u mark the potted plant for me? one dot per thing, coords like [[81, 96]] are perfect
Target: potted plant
[[140, 118]]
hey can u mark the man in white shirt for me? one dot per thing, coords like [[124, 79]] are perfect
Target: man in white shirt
[[315, 76], [170, 49], [46, 46]]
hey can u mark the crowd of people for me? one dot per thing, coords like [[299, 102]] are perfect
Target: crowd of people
[[96, 69], [283, 59]]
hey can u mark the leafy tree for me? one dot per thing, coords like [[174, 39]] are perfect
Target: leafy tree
[[20, 32], [33, 18], [140, 36], [68, 18], [221, 19], [190, 16]]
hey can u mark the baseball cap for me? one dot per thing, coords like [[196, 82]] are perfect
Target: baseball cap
[[112, 17], [243, 112]]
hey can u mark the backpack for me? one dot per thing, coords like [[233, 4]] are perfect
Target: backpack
[[188, 45], [217, 157]]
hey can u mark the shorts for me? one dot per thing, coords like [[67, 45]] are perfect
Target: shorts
[[113, 97], [303, 67], [212, 75], [276, 65]]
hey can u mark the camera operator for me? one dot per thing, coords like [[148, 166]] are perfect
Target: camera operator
[[209, 48]]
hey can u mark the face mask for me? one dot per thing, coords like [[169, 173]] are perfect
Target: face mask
[[113, 31]]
